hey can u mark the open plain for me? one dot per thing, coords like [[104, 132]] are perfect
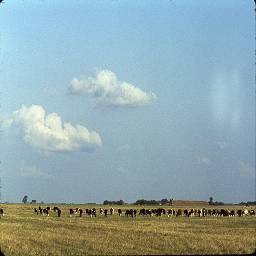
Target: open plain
[[22, 232]]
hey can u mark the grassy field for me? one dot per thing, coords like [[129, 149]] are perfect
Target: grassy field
[[24, 233]]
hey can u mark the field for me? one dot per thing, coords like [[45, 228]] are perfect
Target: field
[[24, 233]]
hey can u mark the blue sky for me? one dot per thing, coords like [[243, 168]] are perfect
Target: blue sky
[[151, 100]]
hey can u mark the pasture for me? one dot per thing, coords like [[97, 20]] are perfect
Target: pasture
[[22, 232]]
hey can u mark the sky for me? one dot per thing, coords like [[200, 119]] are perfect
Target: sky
[[110, 100]]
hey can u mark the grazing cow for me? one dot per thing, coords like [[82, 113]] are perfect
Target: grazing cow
[[45, 212], [245, 212], [232, 213], [149, 212], [134, 212], [71, 212], [40, 210], [55, 208], [191, 213], [159, 211], [89, 212], [36, 211], [80, 212], [223, 213], [112, 211], [179, 212], [119, 211], [59, 212], [204, 212], [94, 212], [101, 211], [239, 212], [142, 212], [252, 212], [1, 213], [105, 212], [170, 212], [129, 213]]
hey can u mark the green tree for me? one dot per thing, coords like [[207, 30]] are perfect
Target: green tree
[[210, 201], [25, 199]]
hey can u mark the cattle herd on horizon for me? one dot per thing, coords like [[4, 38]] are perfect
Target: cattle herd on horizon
[[93, 212]]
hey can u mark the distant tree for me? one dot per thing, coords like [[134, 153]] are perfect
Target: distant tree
[[25, 199], [210, 201], [119, 202], [218, 203], [164, 201], [147, 202]]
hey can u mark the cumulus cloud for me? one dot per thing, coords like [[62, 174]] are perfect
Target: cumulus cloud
[[245, 170], [221, 144], [203, 160], [108, 89], [33, 171], [49, 133]]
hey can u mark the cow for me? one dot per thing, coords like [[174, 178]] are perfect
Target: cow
[[159, 211], [170, 212], [245, 212], [89, 212], [94, 212], [36, 211], [191, 213], [71, 212], [1, 213], [55, 208], [80, 212], [46, 212], [119, 211], [112, 211], [129, 213], [105, 212], [59, 212], [252, 212], [239, 212], [209, 212], [179, 212], [142, 212], [232, 213], [101, 211]]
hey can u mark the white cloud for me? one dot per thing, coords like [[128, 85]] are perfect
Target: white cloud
[[48, 133], [125, 147], [109, 90], [203, 160], [221, 144], [245, 170], [32, 171]]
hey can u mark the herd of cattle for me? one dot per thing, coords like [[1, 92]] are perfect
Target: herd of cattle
[[93, 212], [147, 212]]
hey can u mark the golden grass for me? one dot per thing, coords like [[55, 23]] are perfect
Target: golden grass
[[24, 233]]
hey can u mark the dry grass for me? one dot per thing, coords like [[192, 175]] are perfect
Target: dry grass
[[24, 233]]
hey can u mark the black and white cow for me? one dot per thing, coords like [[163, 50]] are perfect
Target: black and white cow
[[1, 213], [119, 211], [71, 212], [112, 211]]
